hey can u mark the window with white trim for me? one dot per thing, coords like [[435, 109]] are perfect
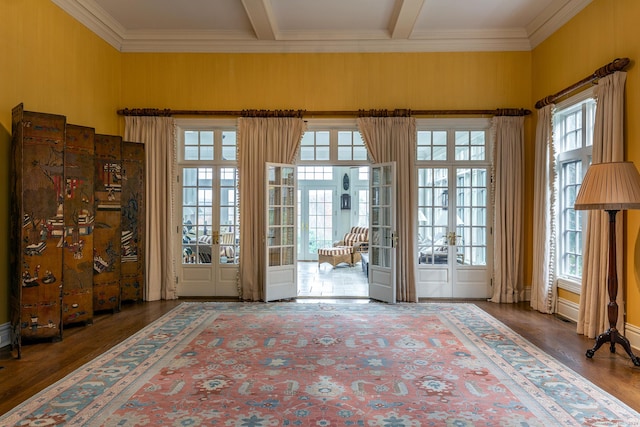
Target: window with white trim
[[573, 122], [208, 181]]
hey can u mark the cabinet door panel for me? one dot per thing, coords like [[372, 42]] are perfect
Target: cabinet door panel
[[133, 213], [107, 235], [37, 228], [77, 294]]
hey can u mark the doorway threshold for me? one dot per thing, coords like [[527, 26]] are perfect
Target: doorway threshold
[[340, 299]]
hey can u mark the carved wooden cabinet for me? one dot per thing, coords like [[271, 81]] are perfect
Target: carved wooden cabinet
[[132, 224], [107, 236], [77, 224], [37, 225], [77, 292]]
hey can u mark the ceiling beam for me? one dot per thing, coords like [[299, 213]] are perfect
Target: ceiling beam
[[404, 18], [261, 16]]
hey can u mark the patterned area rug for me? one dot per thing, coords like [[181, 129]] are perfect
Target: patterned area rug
[[288, 364]]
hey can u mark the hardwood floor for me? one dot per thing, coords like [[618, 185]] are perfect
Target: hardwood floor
[[44, 363]]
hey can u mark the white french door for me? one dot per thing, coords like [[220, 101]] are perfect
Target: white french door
[[280, 226], [209, 230], [453, 232], [382, 234], [315, 220]]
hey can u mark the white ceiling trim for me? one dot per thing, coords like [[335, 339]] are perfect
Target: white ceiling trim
[[332, 46], [261, 17], [404, 18], [400, 37], [319, 35], [546, 24], [96, 19]]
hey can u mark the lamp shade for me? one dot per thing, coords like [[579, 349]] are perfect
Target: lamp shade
[[610, 186]]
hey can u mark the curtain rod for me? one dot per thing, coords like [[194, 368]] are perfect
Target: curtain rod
[[617, 64], [336, 113]]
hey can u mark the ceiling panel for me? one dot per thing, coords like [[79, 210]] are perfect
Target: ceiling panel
[[322, 25], [185, 15], [329, 15], [481, 14]]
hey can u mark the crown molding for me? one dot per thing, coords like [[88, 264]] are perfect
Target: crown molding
[[327, 46], [102, 24], [548, 23], [95, 19]]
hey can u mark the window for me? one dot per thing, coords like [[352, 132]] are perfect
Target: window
[[351, 146], [573, 135], [198, 145], [470, 145], [333, 142], [315, 173], [432, 145], [315, 146], [453, 192], [209, 183]]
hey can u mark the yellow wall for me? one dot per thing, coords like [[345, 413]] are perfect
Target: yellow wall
[[52, 64], [339, 81], [327, 81], [603, 31]]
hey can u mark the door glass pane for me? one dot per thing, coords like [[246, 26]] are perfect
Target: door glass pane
[[363, 208], [281, 220], [320, 219], [229, 234], [197, 215], [381, 236], [471, 216], [433, 215]]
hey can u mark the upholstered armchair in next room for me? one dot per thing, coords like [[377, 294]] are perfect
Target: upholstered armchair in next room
[[348, 250]]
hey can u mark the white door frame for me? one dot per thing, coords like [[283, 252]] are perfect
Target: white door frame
[[281, 232], [464, 274], [382, 232]]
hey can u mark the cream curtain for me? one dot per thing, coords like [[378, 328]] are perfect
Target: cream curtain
[[544, 237], [159, 138], [607, 147], [508, 166], [394, 139], [260, 140]]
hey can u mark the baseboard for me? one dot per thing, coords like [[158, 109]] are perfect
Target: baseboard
[[569, 310], [632, 333], [5, 335]]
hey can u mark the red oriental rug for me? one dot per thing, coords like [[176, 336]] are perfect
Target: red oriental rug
[[288, 364]]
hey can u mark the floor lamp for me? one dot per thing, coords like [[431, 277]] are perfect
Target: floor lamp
[[611, 187]]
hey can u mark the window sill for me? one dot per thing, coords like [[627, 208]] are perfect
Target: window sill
[[569, 285]]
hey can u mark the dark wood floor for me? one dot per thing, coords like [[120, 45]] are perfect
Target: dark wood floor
[[44, 363]]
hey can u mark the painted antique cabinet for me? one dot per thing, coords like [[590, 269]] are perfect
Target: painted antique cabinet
[[77, 225], [107, 236], [133, 203], [37, 225], [77, 292]]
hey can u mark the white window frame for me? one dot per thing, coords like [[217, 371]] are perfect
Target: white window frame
[[218, 127], [581, 154], [333, 126], [451, 128]]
